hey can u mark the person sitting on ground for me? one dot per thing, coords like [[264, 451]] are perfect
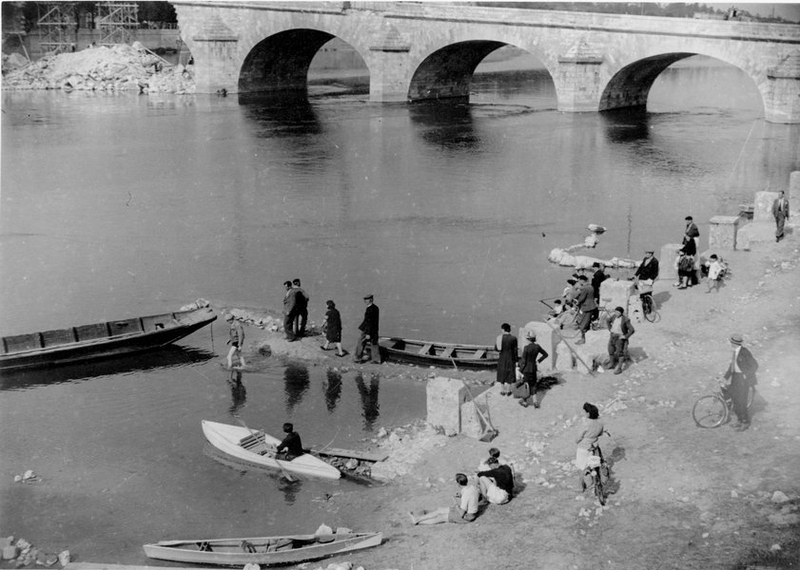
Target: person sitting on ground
[[465, 511], [715, 271], [291, 446], [494, 453], [497, 482], [593, 429]]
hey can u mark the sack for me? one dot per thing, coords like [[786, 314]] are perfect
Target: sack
[[521, 390]]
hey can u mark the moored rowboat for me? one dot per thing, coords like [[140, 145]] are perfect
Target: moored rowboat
[[596, 228], [265, 550], [100, 340], [439, 353], [259, 449]]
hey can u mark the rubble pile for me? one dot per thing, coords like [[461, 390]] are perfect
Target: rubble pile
[[23, 553], [118, 68]]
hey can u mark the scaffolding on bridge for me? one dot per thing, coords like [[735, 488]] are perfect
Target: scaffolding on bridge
[[57, 26], [117, 22]]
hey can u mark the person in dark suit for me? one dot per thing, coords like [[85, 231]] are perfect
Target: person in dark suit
[[588, 307], [742, 375], [289, 311], [369, 332], [291, 446], [506, 343], [780, 211], [532, 355], [597, 279], [301, 309], [648, 268]]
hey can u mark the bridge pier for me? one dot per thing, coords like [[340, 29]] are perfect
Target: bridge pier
[[782, 100], [578, 79]]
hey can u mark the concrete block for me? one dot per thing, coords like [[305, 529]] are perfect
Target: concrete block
[[544, 338], [444, 399], [596, 347], [666, 263], [762, 211], [722, 232], [793, 195], [616, 293], [10, 552], [751, 234], [565, 361], [470, 421]]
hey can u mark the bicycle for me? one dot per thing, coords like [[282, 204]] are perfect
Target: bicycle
[[645, 291], [598, 472], [713, 410]]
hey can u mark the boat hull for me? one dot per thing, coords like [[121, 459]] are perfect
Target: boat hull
[[228, 438], [100, 340], [445, 355], [231, 551]]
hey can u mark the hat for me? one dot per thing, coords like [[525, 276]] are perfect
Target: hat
[[583, 277], [571, 281], [368, 297], [530, 335], [596, 264], [229, 317], [688, 218], [736, 338], [649, 251], [620, 310]]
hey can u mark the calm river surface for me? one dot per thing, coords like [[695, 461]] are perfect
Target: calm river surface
[[120, 205]]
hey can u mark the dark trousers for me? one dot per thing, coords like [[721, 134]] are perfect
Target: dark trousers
[[739, 389], [530, 379], [300, 320], [362, 345], [617, 348], [288, 325], [780, 220]]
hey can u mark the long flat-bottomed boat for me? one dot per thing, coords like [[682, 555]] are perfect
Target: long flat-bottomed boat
[[439, 353], [259, 448], [265, 550], [100, 340]]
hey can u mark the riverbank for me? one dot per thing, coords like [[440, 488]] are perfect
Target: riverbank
[[682, 496]]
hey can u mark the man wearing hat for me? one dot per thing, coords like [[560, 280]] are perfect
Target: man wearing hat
[[597, 279], [780, 211], [621, 330], [369, 332], [236, 340], [742, 375], [646, 274], [587, 306], [527, 365]]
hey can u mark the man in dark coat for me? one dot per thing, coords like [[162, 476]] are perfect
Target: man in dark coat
[[597, 279], [587, 306], [289, 311], [506, 343], [496, 483], [369, 332], [528, 364], [621, 330], [780, 211], [291, 446], [742, 374], [301, 309]]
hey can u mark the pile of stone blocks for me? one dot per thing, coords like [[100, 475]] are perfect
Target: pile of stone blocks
[[451, 410]]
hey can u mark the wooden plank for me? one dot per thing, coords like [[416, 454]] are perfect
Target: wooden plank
[[448, 352], [350, 453], [102, 566], [426, 350], [478, 354]]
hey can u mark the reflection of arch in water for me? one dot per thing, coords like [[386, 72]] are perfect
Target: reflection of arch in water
[[332, 387], [280, 115], [370, 406], [447, 125], [170, 356], [296, 384], [238, 393]]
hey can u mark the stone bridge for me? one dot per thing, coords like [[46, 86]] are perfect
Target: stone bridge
[[417, 50]]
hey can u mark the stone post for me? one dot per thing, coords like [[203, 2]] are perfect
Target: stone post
[[793, 195], [722, 232], [666, 263], [444, 399]]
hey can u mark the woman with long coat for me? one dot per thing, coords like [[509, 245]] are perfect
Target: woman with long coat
[[507, 363]]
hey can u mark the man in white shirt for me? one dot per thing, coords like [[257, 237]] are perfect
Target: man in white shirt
[[465, 511]]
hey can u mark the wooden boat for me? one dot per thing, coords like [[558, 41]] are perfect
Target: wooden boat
[[265, 550], [100, 340], [596, 228], [259, 448], [439, 353]]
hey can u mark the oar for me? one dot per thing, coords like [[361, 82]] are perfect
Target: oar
[[283, 471]]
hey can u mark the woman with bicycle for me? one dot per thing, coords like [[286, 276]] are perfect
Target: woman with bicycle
[[587, 440]]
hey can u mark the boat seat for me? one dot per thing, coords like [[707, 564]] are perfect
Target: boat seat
[[426, 349], [480, 353], [448, 352], [248, 547], [204, 547]]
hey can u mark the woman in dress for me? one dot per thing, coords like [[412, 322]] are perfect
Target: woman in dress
[[507, 363]]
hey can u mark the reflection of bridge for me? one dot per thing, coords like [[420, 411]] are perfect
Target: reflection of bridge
[[420, 51]]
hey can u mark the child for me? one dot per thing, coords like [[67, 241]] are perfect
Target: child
[[332, 325], [715, 270], [236, 340]]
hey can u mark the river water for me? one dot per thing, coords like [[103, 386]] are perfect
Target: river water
[[121, 205]]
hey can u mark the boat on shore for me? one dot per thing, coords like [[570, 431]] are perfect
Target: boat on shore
[[596, 228], [266, 550], [258, 448], [100, 340], [439, 353]]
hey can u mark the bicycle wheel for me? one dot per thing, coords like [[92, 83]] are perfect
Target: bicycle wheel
[[710, 411], [598, 488], [649, 309], [604, 472]]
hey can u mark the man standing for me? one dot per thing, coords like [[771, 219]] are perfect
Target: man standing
[[587, 306], [301, 309], [528, 364], [742, 374], [597, 279], [691, 233], [506, 343], [289, 311], [621, 330], [369, 332], [780, 211]]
